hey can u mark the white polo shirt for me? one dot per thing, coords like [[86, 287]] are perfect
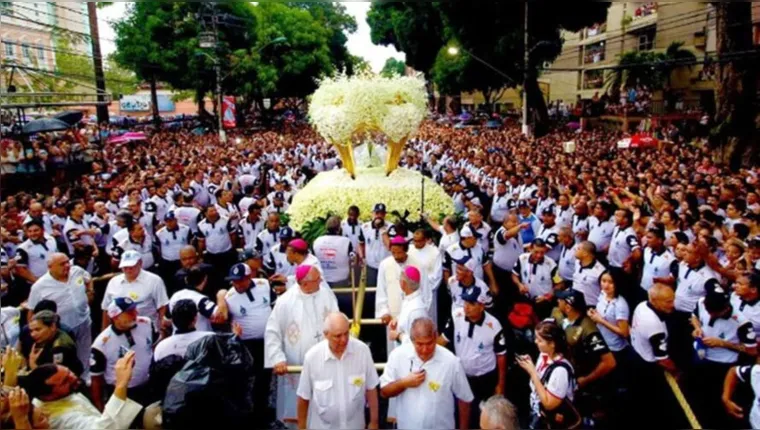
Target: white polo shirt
[[189, 216], [613, 311], [267, 240], [374, 247], [162, 205], [147, 290], [177, 344], [485, 235], [432, 404], [334, 255], [336, 387], [353, 232], [457, 251], [206, 307], [649, 334], [499, 208], [456, 289], [567, 261], [277, 262], [550, 236], [588, 281], [70, 297], [691, 286], [734, 328], [251, 309], [656, 265], [111, 345], [750, 310], [34, 255], [751, 375], [171, 242], [249, 231], [506, 250], [600, 233], [564, 217], [580, 225], [10, 318], [72, 227], [216, 235], [624, 242], [539, 277], [145, 248], [476, 343]]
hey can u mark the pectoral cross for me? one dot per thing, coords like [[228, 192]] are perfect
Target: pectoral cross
[[318, 336]]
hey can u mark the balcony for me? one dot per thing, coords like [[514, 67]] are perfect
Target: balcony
[[594, 53], [644, 16], [594, 34]]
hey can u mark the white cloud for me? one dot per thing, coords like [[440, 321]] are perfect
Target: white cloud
[[359, 43]]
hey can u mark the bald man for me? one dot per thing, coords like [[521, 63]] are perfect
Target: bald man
[[336, 372], [649, 338], [426, 378], [188, 258], [70, 287], [293, 327], [37, 212]]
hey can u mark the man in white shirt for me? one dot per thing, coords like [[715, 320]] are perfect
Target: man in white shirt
[[334, 252], [143, 287], [53, 389], [373, 245], [431, 261], [70, 287], [293, 327], [338, 377], [412, 306], [184, 317], [426, 378], [32, 254], [171, 239]]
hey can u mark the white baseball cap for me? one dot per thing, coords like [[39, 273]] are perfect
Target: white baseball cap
[[129, 259]]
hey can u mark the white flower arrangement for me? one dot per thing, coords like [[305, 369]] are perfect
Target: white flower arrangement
[[344, 108], [333, 192]]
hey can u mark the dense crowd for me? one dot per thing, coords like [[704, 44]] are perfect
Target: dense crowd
[[560, 276]]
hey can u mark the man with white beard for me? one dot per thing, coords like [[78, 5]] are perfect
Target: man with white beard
[[431, 261], [294, 326], [389, 295]]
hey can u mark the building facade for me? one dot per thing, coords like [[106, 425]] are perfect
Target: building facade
[[581, 70]]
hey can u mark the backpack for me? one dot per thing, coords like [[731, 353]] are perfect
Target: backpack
[[565, 416], [522, 316]]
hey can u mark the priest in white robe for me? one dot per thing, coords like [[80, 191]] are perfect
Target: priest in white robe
[[431, 262], [294, 326], [389, 295]]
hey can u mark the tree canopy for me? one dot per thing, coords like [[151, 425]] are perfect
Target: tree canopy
[[393, 67]]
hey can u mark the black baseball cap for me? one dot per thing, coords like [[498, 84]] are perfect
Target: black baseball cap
[[574, 298], [380, 207]]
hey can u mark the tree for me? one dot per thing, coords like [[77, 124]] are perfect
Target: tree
[[393, 67], [359, 65], [736, 83]]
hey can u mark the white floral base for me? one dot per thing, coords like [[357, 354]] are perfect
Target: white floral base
[[335, 191]]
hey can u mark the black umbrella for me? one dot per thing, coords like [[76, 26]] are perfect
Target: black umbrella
[[70, 117], [44, 125]]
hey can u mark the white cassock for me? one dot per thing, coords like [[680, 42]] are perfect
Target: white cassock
[[432, 264], [294, 326], [389, 296]]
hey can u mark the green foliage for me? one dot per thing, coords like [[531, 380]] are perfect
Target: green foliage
[[314, 229], [649, 68], [393, 67]]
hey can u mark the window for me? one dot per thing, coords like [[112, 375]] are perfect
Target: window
[[646, 40], [10, 50], [40, 53], [594, 53], [594, 79], [6, 6], [27, 52]]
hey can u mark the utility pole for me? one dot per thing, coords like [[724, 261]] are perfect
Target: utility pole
[[218, 72], [526, 59], [97, 61]]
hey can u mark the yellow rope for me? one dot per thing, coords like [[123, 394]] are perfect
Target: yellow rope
[[693, 422], [356, 327]]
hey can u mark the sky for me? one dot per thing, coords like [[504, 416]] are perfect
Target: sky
[[359, 43]]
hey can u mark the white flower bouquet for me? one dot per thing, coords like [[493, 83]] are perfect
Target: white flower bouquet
[[333, 192]]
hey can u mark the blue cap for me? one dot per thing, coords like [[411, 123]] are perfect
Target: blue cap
[[380, 207], [474, 295], [238, 272], [170, 215], [279, 195], [286, 233], [120, 305]]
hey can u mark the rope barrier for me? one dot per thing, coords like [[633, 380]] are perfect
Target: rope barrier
[[349, 290], [299, 369], [693, 422]]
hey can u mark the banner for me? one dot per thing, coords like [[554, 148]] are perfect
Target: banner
[[141, 103], [228, 109]]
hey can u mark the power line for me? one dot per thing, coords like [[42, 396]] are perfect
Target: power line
[[48, 49], [55, 27], [84, 24], [58, 73]]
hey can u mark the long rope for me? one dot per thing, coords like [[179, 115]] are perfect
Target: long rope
[[693, 422]]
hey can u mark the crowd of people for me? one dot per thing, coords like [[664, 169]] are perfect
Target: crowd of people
[[560, 294]]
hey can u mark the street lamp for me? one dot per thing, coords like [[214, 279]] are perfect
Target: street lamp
[[453, 50]]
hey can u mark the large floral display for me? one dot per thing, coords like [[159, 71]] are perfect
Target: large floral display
[[368, 118]]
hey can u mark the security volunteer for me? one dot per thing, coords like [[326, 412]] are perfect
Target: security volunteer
[[479, 342], [171, 238], [536, 277]]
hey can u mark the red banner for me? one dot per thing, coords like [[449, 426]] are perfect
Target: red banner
[[228, 109]]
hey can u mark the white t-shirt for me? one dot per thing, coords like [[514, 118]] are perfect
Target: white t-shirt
[[177, 344], [559, 384], [147, 290], [613, 311]]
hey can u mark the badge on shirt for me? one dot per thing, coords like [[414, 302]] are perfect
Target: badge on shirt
[[243, 312], [358, 381], [132, 295], [58, 358], [434, 386]]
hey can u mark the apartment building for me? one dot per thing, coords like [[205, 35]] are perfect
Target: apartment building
[[30, 32], [587, 56]]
